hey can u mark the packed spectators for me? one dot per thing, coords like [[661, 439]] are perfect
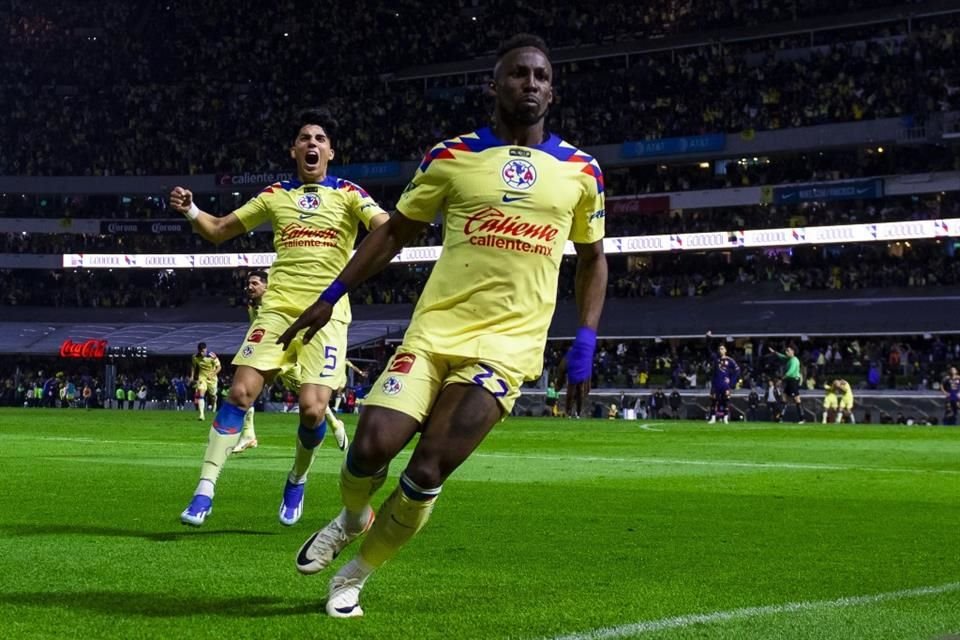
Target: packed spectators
[[877, 363], [622, 181], [675, 275], [165, 90], [890, 362], [889, 209]]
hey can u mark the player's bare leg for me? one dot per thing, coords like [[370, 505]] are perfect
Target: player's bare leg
[[461, 418], [381, 434]]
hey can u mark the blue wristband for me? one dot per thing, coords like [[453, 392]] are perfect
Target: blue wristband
[[580, 356], [332, 294]]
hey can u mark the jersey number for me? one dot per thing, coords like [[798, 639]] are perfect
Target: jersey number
[[488, 373], [330, 353]]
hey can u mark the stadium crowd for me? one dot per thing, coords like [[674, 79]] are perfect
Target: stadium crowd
[[113, 71], [675, 275], [641, 367]]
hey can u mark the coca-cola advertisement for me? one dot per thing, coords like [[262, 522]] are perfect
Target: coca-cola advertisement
[[87, 349]]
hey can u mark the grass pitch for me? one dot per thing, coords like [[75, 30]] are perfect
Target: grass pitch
[[554, 528]]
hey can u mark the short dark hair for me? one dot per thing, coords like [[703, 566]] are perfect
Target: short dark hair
[[260, 274], [201, 345], [319, 116], [520, 41]]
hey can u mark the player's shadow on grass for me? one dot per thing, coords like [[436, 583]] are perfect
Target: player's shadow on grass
[[155, 536], [158, 605]]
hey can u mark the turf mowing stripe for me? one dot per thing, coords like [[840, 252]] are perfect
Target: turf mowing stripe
[[679, 622], [797, 466]]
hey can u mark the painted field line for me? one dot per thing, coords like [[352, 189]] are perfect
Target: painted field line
[[798, 466], [801, 466], [746, 613]]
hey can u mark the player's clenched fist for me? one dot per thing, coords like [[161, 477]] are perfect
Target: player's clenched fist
[[181, 200]]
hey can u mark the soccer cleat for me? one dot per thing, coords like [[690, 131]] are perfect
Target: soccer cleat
[[341, 435], [197, 511], [712, 420], [291, 507], [323, 546], [344, 598], [243, 445], [726, 419]]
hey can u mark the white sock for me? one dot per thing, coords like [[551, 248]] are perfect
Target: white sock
[[201, 404], [204, 488]]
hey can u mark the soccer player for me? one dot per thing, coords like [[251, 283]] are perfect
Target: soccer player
[[204, 369], [726, 372], [831, 403], [289, 375], [951, 392], [791, 379], [314, 222], [511, 195], [845, 405]]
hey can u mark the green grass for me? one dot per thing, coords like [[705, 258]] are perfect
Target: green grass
[[552, 528]]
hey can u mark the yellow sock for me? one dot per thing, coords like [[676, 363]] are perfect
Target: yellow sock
[[356, 493], [248, 433], [399, 519], [219, 446]]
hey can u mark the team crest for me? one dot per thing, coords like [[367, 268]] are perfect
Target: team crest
[[309, 202], [247, 351], [519, 174], [392, 386]]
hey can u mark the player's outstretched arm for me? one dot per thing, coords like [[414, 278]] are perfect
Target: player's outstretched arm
[[212, 228], [373, 254], [591, 291]]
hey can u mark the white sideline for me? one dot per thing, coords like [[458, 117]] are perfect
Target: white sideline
[[679, 622], [800, 466]]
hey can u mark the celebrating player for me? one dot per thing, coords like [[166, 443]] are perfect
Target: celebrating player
[[314, 222], [204, 369], [511, 195], [726, 372]]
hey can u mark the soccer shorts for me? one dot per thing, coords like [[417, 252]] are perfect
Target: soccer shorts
[[791, 387], [414, 378], [830, 401], [846, 402], [207, 386], [320, 362]]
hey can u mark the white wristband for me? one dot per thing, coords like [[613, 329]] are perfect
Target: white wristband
[[193, 212]]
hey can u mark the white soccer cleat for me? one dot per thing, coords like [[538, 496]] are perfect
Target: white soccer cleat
[[341, 435], [712, 420], [344, 598], [243, 445], [324, 545], [726, 419]]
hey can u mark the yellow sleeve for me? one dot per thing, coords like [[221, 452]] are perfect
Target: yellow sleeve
[[364, 207], [256, 211], [589, 215], [424, 196]]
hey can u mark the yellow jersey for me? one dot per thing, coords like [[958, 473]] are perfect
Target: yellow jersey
[[206, 366], [314, 230], [508, 211]]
